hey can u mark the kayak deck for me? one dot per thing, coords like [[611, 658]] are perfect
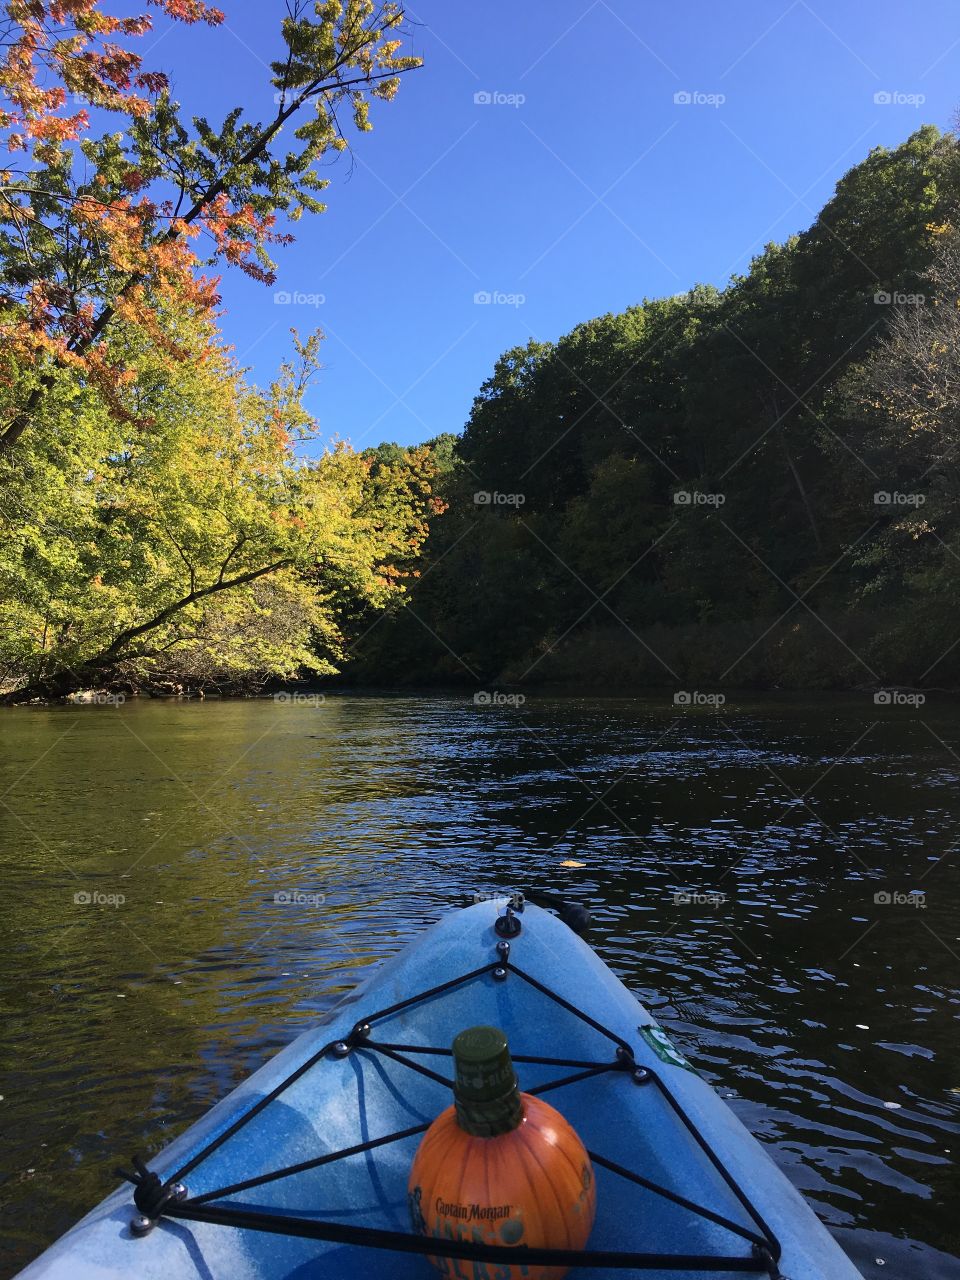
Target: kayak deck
[[631, 1098]]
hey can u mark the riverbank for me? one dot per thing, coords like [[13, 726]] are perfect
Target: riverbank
[[496, 694]]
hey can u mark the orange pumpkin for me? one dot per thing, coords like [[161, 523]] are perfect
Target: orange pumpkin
[[500, 1167]]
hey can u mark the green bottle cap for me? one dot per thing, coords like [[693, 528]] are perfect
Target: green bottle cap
[[485, 1085]]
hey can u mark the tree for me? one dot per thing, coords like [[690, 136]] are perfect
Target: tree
[[97, 229], [903, 406], [128, 554]]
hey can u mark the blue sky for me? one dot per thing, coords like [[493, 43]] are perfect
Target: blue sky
[[580, 188]]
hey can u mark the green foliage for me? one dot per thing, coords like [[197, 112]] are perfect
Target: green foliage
[[206, 549], [690, 485], [160, 522]]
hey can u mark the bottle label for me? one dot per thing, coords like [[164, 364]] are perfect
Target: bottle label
[[472, 1212], [500, 1224]]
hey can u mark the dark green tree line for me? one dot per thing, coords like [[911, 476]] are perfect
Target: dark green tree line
[[689, 490]]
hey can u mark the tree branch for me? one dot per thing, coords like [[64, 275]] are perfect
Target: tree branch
[[233, 551], [113, 651], [80, 345]]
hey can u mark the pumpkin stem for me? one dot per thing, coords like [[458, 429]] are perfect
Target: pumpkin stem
[[485, 1087]]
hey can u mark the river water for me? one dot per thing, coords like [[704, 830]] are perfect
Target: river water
[[828, 1018]]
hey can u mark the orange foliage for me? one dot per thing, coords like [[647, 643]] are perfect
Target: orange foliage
[[60, 52]]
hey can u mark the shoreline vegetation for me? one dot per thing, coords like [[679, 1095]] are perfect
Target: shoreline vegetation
[[756, 487], [749, 487], [496, 693], [165, 522]]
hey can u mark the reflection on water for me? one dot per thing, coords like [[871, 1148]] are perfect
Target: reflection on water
[[732, 863]]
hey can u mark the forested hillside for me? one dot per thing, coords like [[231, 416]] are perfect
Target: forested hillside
[[749, 487]]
